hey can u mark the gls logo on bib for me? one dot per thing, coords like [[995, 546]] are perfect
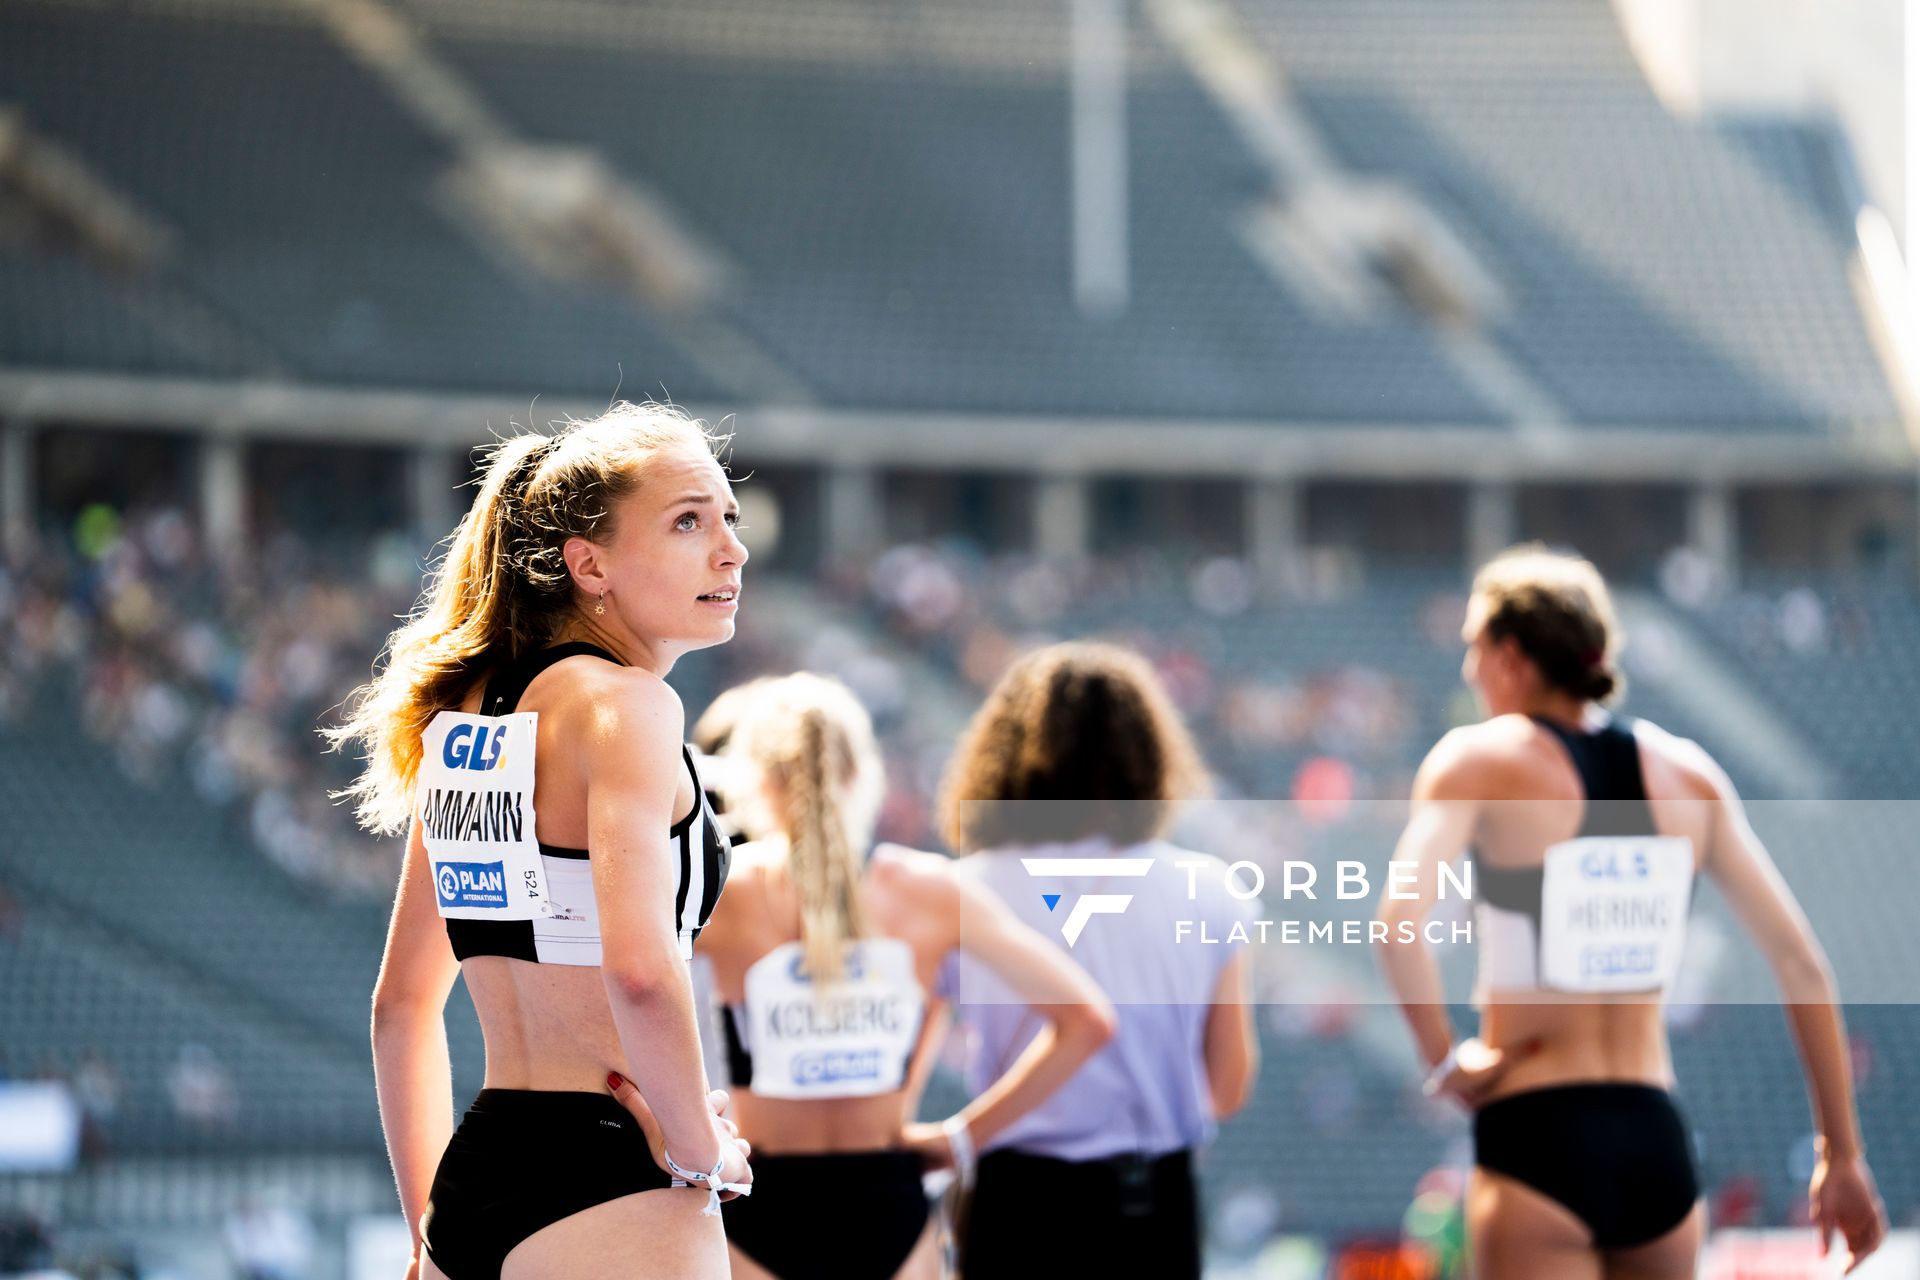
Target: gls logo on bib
[[466, 750], [471, 884], [853, 970]]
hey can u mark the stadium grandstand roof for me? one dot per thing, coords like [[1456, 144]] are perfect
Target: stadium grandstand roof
[[882, 194]]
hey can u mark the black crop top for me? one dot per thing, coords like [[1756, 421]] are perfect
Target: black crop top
[[1608, 762], [571, 935], [1510, 929]]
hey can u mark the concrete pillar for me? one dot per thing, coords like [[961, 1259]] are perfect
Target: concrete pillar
[[223, 494], [1276, 534], [1099, 156], [1713, 528], [1063, 517], [1492, 520], [18, 519], [856, 514], [432, 505]]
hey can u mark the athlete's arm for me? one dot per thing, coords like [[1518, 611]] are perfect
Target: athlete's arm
[[891, 869], [412, 1073], [1230, 1045], [1843, 1194], [633, 768], [1078, 1019], [1765, 906], [1437, 832]]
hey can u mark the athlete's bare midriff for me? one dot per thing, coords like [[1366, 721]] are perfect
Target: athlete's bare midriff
[[549, 1026], [1582, 1039]]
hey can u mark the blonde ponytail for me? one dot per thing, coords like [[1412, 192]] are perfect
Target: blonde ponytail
[[820, 858], [811, 739], [501, 590]]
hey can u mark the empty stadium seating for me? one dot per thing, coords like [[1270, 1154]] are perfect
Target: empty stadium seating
[[895, 221]]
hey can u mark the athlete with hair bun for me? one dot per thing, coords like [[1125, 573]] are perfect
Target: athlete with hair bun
[[1588, 831]]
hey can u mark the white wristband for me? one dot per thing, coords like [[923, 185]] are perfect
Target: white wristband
[[960, 1142], [685, 1178], [1441, 1070]]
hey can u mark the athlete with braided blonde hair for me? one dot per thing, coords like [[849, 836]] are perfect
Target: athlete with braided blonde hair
[[826, 958]]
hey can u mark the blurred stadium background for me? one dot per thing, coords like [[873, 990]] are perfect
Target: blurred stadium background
[[1235, 329]]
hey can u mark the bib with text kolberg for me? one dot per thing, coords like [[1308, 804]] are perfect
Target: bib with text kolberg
[[845, 1039], [476, 816], [1613, 912]]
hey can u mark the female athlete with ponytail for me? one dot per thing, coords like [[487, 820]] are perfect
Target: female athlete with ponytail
[[826, 957], [560, 858]]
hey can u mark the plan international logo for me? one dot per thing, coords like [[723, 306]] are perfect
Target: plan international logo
[[471, 884], [1089, 905]]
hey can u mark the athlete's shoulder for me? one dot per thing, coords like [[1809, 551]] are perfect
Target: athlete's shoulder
[[621, 700], [1499, 756], [592, 682], [1470, 755], [1685, 760], [897, 867], [755, 854]]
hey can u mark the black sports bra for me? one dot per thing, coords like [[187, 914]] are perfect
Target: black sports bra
[[571, 935], [1510, 929], [1608, 762]]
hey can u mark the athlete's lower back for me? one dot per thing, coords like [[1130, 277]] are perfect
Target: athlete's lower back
[[1560, 1038], [546, 1026], [784, 1126], [1575, 1041]]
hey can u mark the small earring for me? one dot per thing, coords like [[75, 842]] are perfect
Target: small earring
[[600, 606]]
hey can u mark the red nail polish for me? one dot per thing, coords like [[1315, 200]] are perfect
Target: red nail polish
[[614, 1081]]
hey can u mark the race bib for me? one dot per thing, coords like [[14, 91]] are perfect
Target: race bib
[[846, 1039], [476, 816], [1613, 912]]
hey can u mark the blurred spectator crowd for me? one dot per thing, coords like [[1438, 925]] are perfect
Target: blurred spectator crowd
[[216, 666]]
